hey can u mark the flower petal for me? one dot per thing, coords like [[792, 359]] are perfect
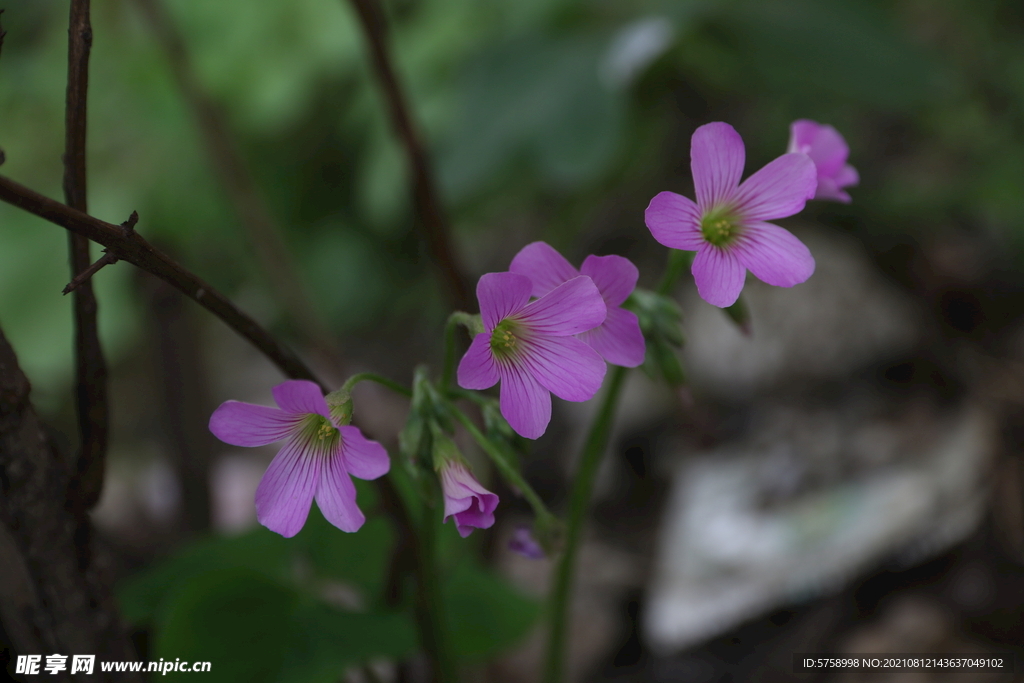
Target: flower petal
[[500, 295], [774, 255], [719, 276], [614, 276], [565, 366], [523, 543], [674, 221], [618, 339], [847, 176], [716, 161], [246, 424], [569, 308], [778, 190], [475, 517], [472, 505], [477, 369], [545, 267], [300, 396], [336, 496], [286, 490], [524, 403], [363, 458], [822, 143], [828, 189]]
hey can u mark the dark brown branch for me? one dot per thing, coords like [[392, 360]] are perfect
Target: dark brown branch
[[432, 218], [249, 203], [3, 34], [137, 251], [54, 596], [106, 260], [90, 366]]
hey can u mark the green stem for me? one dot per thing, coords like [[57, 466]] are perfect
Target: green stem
[[678, 262], [430, 607], [579, 503], [454, 320], [511, 474], [379, 379]]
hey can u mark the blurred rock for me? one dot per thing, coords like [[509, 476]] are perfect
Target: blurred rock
[[810, 500], [845, 317]]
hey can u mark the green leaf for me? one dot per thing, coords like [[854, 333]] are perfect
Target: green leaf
[[840, 48], [324, 641], [359, 559], [485, 613], [538, 97], [236, 619], [259, 551]]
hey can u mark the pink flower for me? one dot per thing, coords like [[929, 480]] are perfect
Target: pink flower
[[530, 347], [726, 227], [618, 339], [316, 461], [464, 497], [828, 150], [523, 543]]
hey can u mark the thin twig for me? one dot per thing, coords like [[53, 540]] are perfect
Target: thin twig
[[137, 251], [249, 203], [107, 259], [432, 218], [3, 33], [91, 386], [86, 275]]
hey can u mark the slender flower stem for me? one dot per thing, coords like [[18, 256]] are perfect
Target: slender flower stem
[[579, 497], [429, 604], [678, 261], [511, 474], [394, 386], [471, 323], [579, 504]]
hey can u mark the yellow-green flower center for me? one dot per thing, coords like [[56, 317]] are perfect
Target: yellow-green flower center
[[719, 227], [503, 339], [319, 435]]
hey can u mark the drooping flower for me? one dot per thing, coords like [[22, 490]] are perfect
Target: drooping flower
[[829, 151], [618, 339], [726, 226], [316, 462], [464, 498], [523, 543], [531, 349]]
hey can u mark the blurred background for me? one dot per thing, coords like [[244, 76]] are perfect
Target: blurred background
[[847, 478]]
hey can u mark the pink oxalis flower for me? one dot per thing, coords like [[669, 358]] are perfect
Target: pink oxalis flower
[[317, 460], [464, 498], [523, 543], [726, 226], [531, 347], [828, 150], [618, 339]]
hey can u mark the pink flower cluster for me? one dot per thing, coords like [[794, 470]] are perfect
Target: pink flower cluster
[[550, 328]]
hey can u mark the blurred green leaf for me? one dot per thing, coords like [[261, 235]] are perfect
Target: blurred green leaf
[[324, 641], [360, 559], [486, 614], [540, 97], [238, 620], [254, 629], [259, 551], [841, 48]]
